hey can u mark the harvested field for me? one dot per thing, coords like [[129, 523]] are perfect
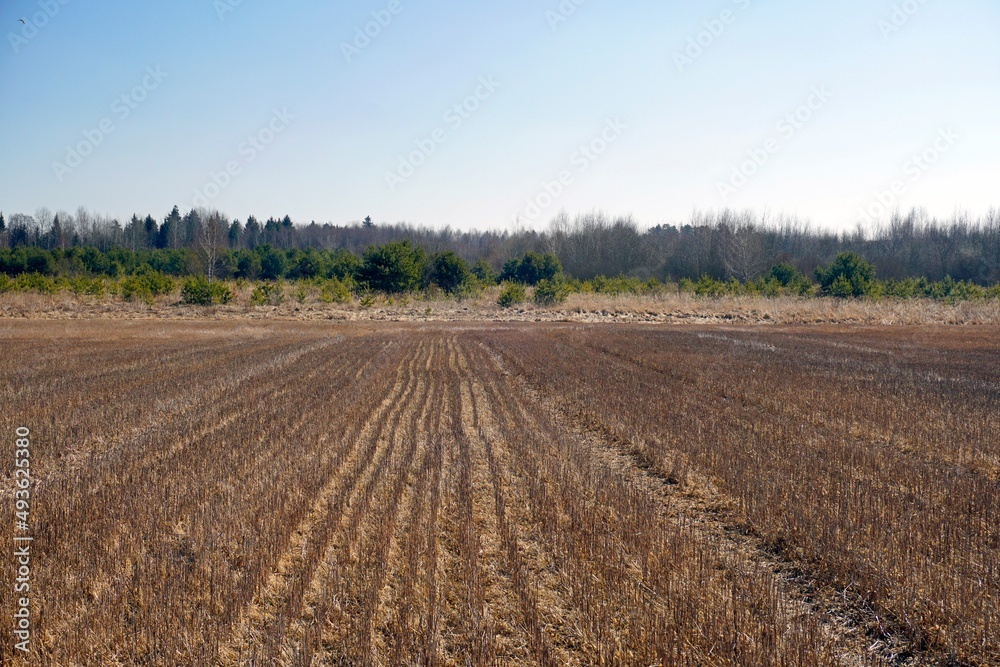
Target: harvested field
[[294, 493]]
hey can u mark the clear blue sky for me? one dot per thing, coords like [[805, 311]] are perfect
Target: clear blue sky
[[678, 128]]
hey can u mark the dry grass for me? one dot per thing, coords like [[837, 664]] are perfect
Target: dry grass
[[298, 493], [663, 308]]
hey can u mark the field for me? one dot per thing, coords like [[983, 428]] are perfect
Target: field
[[309, 493]]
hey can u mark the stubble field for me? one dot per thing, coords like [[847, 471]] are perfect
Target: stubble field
[[294, 493]]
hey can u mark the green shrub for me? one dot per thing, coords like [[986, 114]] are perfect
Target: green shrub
[[39, 261], [393, 268], [35, 282], [484, 273], [131, 288], [157, 283], [273, 264], [449, 272], [512, 294], [81, 285], [770, 288], [97, 287], [709, 286], [841, 288], [471, 289], [531, 268], [268, 294], [144, 286], [200, 292], [848, 276], [617, 286], [550, 292], [791, 280], [248, 265], [334, 291], [6, 284]]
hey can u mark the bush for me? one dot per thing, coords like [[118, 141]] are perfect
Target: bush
[[367, 300], [449, 271], [472, 289], [272, 264], [334, 291], [848, 276], [616, 286], [35, 282], [310, 265], [268, 294], [81, 285], [531, 268], [791, 279], [393, 268], [12, 262], [512, 294], [200, 292], [550, 292], [156, 283], [39, 261], [343, 265], [709, 286], [484, 273], [248, 265], [145, 286], [131, 288]]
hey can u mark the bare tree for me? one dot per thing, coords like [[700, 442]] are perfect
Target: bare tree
[[43, 216], [744, 249], [212, 240]]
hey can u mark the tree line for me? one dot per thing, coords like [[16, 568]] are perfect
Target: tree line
[[723, 246]]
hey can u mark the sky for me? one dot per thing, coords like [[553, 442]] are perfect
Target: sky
[[496, 115]]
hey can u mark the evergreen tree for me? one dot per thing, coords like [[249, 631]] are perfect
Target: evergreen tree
[[449, 271], [252, 233], [235, 234], [191, 225], [55, 234], [152, 230], [849, 275], [393, 268], [169, 236]]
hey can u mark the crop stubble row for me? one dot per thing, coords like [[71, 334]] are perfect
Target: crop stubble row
[[450, 496]]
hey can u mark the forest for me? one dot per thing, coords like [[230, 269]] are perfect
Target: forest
[[738, 247]]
